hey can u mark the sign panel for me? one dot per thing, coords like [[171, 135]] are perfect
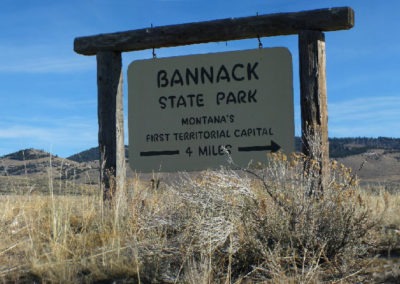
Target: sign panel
[[185, 112]]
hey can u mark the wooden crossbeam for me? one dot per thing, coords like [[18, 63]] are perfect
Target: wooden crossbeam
[[332, 19], [314, 105]]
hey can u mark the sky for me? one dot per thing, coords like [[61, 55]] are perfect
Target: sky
[[48, 93]]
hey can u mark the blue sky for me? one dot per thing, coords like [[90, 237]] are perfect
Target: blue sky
[[48, 93]]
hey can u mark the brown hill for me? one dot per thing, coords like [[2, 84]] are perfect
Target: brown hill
[[31, 164], [376, 166]]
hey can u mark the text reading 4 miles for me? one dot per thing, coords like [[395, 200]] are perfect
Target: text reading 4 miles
[[209, 150]]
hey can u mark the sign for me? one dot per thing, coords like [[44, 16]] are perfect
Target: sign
[[185, 112]]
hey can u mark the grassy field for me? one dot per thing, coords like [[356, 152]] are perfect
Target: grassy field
[[263, 226]]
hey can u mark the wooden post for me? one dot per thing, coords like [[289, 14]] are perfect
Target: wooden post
[[110, 115], [313, 100], [121, 167]]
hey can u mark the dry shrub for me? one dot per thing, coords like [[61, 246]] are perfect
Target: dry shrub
[[262, 224], [300, 235]]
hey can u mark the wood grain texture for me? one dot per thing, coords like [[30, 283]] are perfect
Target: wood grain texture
[[313, 101], [121, 164], [109, 84], [218, 30]]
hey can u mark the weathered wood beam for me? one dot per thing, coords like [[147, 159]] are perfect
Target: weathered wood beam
[[120, 143], [313, 101], [218, 30], [110, 116]]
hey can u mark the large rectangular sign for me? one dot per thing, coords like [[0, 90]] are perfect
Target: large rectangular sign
[[184, 111]]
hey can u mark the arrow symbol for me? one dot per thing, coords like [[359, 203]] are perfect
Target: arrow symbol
[[274, 147], [159, 153]]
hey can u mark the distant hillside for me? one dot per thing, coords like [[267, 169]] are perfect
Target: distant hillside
[[90, 155], [344, 147], [37, 165], [27, 154]]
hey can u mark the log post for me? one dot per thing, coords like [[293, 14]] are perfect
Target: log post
[[121, 166], [314, 111], [110, 116]]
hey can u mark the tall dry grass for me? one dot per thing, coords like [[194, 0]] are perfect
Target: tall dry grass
[[218, 227]]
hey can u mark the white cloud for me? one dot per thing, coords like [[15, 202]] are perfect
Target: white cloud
[[372, 117], [366, 108], [47, 65], [21, 131], [42, 58], [63, 136]]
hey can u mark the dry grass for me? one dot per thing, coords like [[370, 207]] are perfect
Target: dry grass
[[221, 227]]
